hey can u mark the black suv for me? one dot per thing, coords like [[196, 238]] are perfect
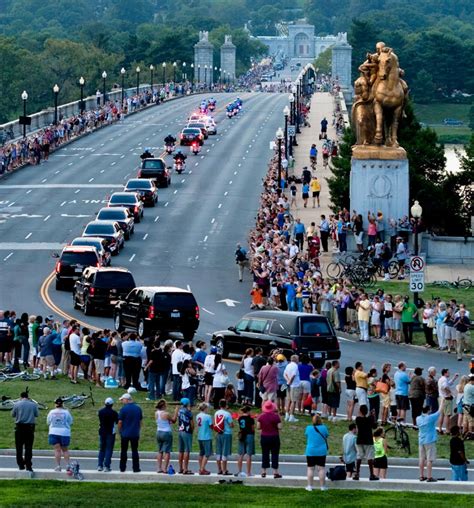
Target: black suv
[[72, 261], [156, 170], [145, 188], [131, 200], [122, 216], [100, 244], [148, 310], [101, 288], [293, 332]]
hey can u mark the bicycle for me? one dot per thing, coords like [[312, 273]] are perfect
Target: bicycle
[[397, 438], [7, 403], [18, 376], [76, 401], [465, 283]]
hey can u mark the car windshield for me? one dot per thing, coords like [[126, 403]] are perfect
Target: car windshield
[[79, 258], [138, 184], [96, 244], [191, 131], [111, 215], [99, 229], [120, 198], [315, 327], [114, 280], [153, 164], [170, 301]]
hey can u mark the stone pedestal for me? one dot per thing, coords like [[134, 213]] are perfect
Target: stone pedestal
[[379, 184], [341, 64], [203, 60], [227, 67]]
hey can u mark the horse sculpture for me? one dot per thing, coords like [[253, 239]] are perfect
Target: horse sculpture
[[389, 98]]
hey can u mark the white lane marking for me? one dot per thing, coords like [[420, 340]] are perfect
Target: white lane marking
[[205, 239], [70, 164], [208, 311], [11, 204], [243, 158], [145, 236], [46, 218], [197, 164], [344, 339], [28, 235], [28, 191], [157, 218], [91, 179], [113, 163], [202, 156], [44, 180], [219, 205], [188, 287], [213, 220], [126, 176], [132, 257], [63, 203], [81, 157], [176, 191], [77, 191], [235, 172], [196, 258], [102, 170], [56, 172], [7, 257], [190, 171], [183, 180], [207, 150], [240, 164], [230, 182], [225, 193], [167, 203], [122, 156]]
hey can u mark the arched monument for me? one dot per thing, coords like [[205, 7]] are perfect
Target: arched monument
[[379, 167]]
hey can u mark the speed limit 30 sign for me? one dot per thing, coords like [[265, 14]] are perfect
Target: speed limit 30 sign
[[417, 274]]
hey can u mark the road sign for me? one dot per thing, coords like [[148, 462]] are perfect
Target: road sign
[[291, 130], [417, 282], [417, 264]]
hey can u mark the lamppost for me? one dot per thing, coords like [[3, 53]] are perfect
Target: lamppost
[[184, 76], [193, 79], [122, 73], [152, 68], [199, 74], [416, 212], [279, 136], [220, 75], [286, 112], [174, 72], [297, 108], [137, 70], [56, 93], [24, 97], [224, 76], [205, 74], [291, 99], [214, 77], [163, 65], [104, 77], [81, 103]]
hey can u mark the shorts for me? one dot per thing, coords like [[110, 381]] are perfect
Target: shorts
[[208, 378], [350, 394], [388, 323], [305, 386], [316, 194], [63, 441], [450, 333], [468, 418], [99, 366], [185, 442], [48, 361], [334, 399], [85, 359], [385, 400], [447, 407], [75, 359], [108, 361], [305, 195], [365, 451], [350, 467], [393, 410], [403, 404], [313, 461], [205, 448], [281, 394], [268, 396], [295, 393], [6, 345], [165, 441], [361, 395], [223, 446], [427, 452], [381, 462], [396, 324], [247, 445], [358, 238]]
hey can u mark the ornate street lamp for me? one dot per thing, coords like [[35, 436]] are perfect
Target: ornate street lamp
[[137, 70], [286, 112], [279, 137], [163, 65], [152, 68], [184, 77], [56, 93], [416, 212], [174, 72], [81, 103], [24, 97], [122, 73], [104, 77]]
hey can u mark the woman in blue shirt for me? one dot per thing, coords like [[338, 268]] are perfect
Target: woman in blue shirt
[[316, 451]]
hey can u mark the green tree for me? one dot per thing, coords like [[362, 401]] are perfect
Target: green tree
[[363, 37], [324, 61], [423, 89]]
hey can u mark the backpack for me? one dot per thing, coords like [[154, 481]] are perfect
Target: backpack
[[240, 255], [337, 473], [219, 423]]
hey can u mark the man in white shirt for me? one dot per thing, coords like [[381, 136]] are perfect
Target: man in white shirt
[[177, 358], [446, 392], [75, 346], [292, 378]]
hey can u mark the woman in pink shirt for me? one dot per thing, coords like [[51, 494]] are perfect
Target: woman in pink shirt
[[372, 229], [269, 423], [268, 380]]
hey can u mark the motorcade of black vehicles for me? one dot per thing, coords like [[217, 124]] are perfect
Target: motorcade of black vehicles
[[145, 188], [199, 125], [152, 309], [190, 135], [71, 263], [101, 288], [122, 215], [131, 200], [292, 332], [110, 231], [100, 244], [157, 170]]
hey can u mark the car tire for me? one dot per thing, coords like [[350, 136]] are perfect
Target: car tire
[[127, 236], [74, 301], [220, 344], [118, 322], [142, 329], [59, 285], [137, 219], [87, 307], [188, 334]]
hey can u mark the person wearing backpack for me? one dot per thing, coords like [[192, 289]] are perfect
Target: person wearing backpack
[[223, 425], [241, 260], [316, 451]]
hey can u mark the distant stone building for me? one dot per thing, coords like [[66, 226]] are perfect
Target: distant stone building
[[228, 51], [203, 59]]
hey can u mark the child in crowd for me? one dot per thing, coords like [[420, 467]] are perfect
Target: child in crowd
[[349, 450]]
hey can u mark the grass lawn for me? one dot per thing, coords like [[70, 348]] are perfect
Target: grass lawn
[[84, 432], [434, 114], [431, 292], [55, 493]]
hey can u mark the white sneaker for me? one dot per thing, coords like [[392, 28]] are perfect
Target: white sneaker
[[309, 488], [292, 419], [287, 416], [58, 469], [324, 487], [242, 475]]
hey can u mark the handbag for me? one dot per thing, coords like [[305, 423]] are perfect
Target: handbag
[[431, 322], [381, 387], [325, 440]]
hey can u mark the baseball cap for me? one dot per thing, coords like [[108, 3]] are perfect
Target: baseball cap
[[126, 396], [281, 358], [185, 401], [109, 401], [49, 318], [59, 401], [213, 350]]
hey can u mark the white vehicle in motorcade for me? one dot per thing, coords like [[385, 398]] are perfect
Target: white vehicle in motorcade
[[210, 124]]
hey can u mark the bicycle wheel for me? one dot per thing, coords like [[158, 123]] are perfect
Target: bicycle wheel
[[6, 405], [464, 283], [41, 406], [394, 439], [29, 377], [405, 441], [75, 403], [393, 269], [333, 270]]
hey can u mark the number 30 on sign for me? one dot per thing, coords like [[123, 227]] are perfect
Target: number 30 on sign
[[417, 282]]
